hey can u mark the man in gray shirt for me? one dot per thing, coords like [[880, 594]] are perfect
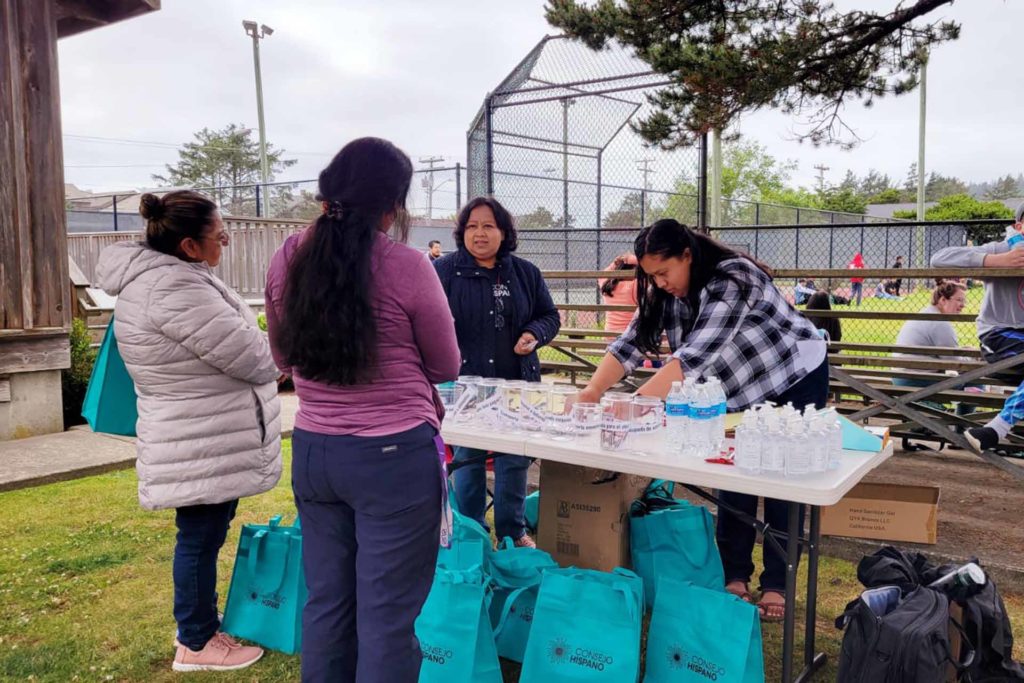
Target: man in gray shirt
[[1001, 320]]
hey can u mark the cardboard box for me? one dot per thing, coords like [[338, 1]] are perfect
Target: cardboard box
[[885, 512], [584, 515]]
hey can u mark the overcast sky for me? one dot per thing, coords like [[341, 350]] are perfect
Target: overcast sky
[[416, 72]]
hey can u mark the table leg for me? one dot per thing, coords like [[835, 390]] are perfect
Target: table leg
[[789, 624], [813, 661]]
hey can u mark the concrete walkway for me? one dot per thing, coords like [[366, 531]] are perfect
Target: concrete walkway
[[80, 452]]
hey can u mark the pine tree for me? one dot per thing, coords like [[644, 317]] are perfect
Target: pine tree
[[727, 57]]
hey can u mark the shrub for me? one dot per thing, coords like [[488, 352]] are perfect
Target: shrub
[[75, 380]]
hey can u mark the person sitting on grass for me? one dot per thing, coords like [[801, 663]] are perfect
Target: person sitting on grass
[[804, 290], [881, 292], [1000, 322]]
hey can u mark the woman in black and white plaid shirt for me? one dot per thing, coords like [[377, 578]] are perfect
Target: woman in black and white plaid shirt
[[723, 317]]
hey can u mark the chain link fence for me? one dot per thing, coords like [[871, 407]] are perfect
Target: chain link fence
[[790, 247], [434, 194]]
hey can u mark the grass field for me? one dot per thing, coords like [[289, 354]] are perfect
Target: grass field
[[85, 587]]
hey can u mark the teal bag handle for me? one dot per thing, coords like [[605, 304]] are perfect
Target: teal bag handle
[[507, 543], [253, 560], [506, 609], [618, 586]]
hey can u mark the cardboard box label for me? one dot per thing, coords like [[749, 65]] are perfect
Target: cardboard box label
[[885, 512]]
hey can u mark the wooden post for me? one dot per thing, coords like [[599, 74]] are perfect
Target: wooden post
[[33, 229]]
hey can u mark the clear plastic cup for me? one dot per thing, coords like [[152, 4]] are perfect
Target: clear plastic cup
[[490, 401], [447, 393], [617, 411], [534, 411], [648, 415], [586, 418], [560, 405], [467, 397], [511, 405]]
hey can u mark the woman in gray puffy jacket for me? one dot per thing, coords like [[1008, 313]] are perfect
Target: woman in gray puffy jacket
[[209, 423]]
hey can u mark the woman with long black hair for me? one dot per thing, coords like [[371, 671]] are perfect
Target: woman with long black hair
[[361, 323], [725, 318]]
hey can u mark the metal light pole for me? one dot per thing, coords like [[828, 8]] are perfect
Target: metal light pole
[[920, 165], [256, 33]]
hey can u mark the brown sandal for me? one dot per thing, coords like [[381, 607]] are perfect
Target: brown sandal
[[772, 612], [743, 595]]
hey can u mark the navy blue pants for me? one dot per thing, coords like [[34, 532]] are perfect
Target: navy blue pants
[[509, 491], [201, 533], [371, 514], [735, 537]]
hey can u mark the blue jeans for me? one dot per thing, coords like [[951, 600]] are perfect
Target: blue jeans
[[856, 292], [509, 491], [371, 516], [201, 533], [735, 537]]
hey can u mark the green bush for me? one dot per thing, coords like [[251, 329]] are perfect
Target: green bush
[[75, 380]]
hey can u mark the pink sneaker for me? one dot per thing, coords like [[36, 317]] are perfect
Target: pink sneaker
[[525, 541], [222, 653]]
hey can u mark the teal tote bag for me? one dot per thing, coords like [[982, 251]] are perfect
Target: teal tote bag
[[586, 627], [531, 511], [516, 574], [454, 632], [268, 587], [470, 543], [674, 539], [109, 404], [698, 635]]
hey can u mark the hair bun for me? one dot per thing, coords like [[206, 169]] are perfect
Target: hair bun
[[151, 207]]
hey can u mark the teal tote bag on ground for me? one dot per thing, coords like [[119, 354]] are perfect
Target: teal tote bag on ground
[[454, 631], [109, 404], [586, 627], [674, 539], [516, 574], [698, 635], [268, 587]]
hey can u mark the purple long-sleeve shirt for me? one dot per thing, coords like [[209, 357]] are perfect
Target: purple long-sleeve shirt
[[417, 348]]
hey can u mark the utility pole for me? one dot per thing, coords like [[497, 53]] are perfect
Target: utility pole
[[428, 182], [646, 170], [715, 208], [821, 168], [258, 33]]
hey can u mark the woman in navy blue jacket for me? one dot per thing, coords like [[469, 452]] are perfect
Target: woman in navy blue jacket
[[503, 313]]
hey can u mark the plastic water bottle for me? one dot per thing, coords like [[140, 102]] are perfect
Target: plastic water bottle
[[748, 444], [798, 454], [773, 454], [817, 437], [835, 441], [704, 410], [676, 416], [689, 392], [717, 392]]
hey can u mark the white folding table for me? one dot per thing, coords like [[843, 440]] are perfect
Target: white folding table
[[645, 455]]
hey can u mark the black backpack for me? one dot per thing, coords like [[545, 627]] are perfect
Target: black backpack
[[985, 619], [892, 637]]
